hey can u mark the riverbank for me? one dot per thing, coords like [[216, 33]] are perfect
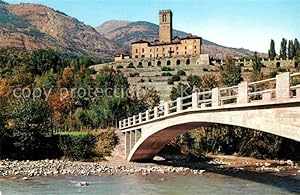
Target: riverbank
[[219, 164]]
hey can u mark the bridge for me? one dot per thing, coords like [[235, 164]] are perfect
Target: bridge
[[271, 105]]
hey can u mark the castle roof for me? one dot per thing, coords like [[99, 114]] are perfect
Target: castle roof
[[176, 40]]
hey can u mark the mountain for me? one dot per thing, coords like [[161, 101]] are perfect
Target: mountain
[[32, 26], [111, 25], [124, 33]]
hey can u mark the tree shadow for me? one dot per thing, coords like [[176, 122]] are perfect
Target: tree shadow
[[283, 181]]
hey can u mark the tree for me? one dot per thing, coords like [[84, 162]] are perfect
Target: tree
[[5, 142], [296, 45], [181, 90], [193, 81], [231, 73], [272, 52], [30, 122], [291, 50], [283, 48], [208, 82], [256, 64]]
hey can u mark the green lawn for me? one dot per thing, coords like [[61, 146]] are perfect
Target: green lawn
[[78, 133]]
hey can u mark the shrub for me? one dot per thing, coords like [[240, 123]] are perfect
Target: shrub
[[273, 74], [181, 73], [77, 146], [135, 74], [166, 74], [176, 77], [120, 66], [130, 65], [106, 142], [170, 82], [165, 68]]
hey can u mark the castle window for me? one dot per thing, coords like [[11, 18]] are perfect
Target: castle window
[[150, 50], [188, 62], [136, 51], [136, 56], [164, 18], [143, 56], [168, 62], [143, 50], [150, 55], [185, 47], [157, 49], [278, 65], [149, 64], [178, 62], [159, 63], [163, 49], [195, 47], [157, 55], [176, 48], [185, 52]]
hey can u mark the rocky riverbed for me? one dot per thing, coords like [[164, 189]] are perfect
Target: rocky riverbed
[[27, 169]]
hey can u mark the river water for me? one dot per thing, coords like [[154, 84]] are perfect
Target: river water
[[138, 184]]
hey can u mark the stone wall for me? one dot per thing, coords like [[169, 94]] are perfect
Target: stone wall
[[268, 63], [200, 60]]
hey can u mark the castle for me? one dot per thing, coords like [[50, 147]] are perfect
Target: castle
[[166, 46], [187, 50]]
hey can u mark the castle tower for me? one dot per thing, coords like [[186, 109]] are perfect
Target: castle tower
[[165, 26]]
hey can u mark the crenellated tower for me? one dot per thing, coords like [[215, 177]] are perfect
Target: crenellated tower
[[165, 26]]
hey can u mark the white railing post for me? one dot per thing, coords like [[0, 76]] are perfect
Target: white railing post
[[283, 86], [155, 112], [215, 97], [147, 115], [129, 121], [140, 118], [243, 96], [298, 92], [120, 124], [195, 100], [267, 96], [133, 120], [166, 108], [179, 104], [124, 122]]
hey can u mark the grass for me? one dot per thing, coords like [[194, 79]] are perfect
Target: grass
[[79, 133]]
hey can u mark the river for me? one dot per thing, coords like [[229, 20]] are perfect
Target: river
[[155, 184]]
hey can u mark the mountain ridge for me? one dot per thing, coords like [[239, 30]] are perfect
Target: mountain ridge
[[129, 32], [34, 26]]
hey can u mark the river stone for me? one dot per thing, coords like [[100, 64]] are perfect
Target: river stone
[[82, 184], [267, 164]]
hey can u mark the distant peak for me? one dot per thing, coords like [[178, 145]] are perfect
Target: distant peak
[[3, 2]]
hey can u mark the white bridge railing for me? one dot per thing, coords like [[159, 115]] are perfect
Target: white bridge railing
[[285, 86]]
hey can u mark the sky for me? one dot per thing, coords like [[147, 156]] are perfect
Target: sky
[[249, 24]]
